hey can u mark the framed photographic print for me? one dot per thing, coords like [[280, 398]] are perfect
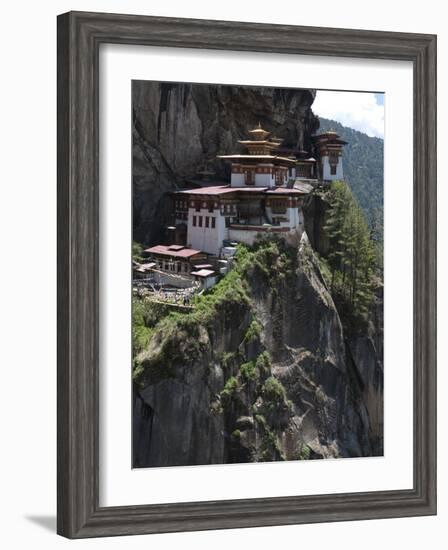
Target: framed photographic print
[[246, 274]]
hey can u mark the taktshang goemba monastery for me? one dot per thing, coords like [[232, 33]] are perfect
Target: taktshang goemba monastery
[[266, 192]]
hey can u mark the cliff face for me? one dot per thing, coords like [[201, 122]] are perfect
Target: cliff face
[[178, 127], [264, 373]]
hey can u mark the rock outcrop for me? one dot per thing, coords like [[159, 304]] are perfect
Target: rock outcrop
[[266, 374]]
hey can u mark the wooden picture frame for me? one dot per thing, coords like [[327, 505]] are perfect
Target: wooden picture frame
[[79, 37]]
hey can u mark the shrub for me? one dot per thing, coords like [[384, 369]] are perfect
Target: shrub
[[137, 251], [263, 363], [249, 371], [230, 389], [253, 332], [273, 391], [227, 358]]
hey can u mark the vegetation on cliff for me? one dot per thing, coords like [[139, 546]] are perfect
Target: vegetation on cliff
[[352, 259], [165, 342], [273, 306], [268, 259]]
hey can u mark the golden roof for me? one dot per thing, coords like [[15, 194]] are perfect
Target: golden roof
[[259, 132]]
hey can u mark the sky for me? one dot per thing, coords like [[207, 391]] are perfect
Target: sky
[[363, 111]]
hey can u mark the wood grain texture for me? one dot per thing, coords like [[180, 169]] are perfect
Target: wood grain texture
[[79, 37]]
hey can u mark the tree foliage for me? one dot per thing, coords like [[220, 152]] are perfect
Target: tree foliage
[[352, 256], [137, 251]]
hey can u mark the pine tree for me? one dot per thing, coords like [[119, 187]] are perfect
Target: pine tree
[[352, 257]]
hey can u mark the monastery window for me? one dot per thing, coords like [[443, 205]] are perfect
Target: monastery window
[[207, 221], [277, 177], [333, 169], [194, 221], [278, 207], [213, 223], [198, 206], [227, 222], [249, 177], [210, 207], [200, 221]]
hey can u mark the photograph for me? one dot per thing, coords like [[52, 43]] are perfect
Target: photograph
[[257, 274], [233, 217]]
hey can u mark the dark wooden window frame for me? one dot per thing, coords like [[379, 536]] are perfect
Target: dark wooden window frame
[[79, 37]]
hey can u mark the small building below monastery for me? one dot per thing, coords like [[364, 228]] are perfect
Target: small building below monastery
[[173, 265]]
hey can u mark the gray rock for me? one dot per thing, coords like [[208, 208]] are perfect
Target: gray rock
[[244, 423], [332, 402]]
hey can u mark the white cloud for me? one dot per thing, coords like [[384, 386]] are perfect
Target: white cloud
[[357, 110]]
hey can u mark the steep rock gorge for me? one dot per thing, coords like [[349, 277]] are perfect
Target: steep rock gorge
[[179, 128], [261, 371]]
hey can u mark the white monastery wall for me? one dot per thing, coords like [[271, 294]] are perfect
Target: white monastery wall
[[207, 239], [264, 180], [237, 180], [294, 217], [181, 280], [326, 172], [242, 236]]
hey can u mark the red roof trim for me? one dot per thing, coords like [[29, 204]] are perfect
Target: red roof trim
[[165, 251]]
